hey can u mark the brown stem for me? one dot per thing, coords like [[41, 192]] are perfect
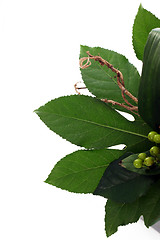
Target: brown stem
[[132, 109], [78, 88], [120, 81]]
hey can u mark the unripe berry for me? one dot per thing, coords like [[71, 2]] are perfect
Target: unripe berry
[[151, 135], [154, 151], [138, 163], [156, 138], [148, 161], [142, 156]]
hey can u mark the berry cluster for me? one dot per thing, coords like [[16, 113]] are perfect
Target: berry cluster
[[147, 161], [154, 137]]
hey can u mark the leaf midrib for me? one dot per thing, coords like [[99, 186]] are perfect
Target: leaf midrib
[[87, 169], [101, 125]]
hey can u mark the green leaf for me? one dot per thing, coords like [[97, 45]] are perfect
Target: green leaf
[[150, 205], [120, 214], [120, 185], [101, 81], [82, 170], [145, 145], [149, 96], [143, 24], [137, 148], [128, 164], [90, 123]]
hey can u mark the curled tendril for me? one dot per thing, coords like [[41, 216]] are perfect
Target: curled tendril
[[120, 82]]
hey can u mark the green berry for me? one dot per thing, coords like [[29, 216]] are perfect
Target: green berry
[[148, 161], [156, 138], [158, 156], [142, 156], [151, 135], [154, 151], [138, 163]]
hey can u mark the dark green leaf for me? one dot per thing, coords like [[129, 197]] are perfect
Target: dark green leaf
[[81, 171], [145, 145], [120, 214], [149, 90], [120, 185], [101, 81], [143, 24], [90, 123], [150, 205], [128, 164], [137, 148]]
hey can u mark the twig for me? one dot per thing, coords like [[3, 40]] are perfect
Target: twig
[[78, 88], [120, 81], [132, 109]]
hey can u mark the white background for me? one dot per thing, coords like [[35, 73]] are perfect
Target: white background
[[39, 51]]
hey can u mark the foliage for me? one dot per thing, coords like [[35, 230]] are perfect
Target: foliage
[[95, 124], [149, 96], [101, 82]]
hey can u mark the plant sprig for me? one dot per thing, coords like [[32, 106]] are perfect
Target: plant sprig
[[131, 187]]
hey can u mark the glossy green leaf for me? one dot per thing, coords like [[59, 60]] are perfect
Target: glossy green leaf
[[150, 205], [120, 185], [128, 164], [90, 123], [82, 170], [119, 214], [144, 22], [102, 82], [149, 90]]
